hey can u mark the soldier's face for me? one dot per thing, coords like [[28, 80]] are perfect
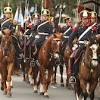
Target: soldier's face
[[69, 23], [8, 15], [85, 21], [93, 20], [44, 17]]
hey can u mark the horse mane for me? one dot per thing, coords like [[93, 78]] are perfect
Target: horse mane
[[6, 39], [47, 43], [87, 55]]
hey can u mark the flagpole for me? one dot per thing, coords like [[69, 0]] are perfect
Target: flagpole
[[24, 33], [78, 3], [42, 7]]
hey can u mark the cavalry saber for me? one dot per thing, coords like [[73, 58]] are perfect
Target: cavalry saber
[[87, 30]]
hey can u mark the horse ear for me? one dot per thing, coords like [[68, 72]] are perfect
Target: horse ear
[[54, 35], [98, 38]]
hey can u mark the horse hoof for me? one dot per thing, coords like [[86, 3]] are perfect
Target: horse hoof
[[62, 84], [46, 95], [5, 93], [27, 81], [54, 83], [31, 84], [66, 84], [35, 91], [2, 88], [9, 95], [41, 93], [24, 79], [11, 86]]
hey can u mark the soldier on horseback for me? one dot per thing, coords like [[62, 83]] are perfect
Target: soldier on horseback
[[67, 30], [83, 33], [7, 21], [44, 29], [32, 31], [7, 50]]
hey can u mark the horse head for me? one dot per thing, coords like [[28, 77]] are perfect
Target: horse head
[[92, 53], [56, 44]]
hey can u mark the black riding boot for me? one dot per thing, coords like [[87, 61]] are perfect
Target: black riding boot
[[72, 78]]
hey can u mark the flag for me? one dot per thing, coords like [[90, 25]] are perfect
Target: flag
[[27, 12], [21, 18], [1, 14], [42, 8], [16, 14]]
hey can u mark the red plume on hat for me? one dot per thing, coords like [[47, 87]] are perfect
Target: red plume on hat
[[80, 8]]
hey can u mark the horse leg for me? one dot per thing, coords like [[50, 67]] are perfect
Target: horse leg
[[42, 80], [54, 75], [23, 69], [69, 65], [4, 77], [1, 79], [48, 80], [35, 76], [8, 82], [68, 76], [78, 90], [92, 96], [26, 72], [4, 85], [88, 88], [30, 76], [67, 72], [61, 73], [67, 82], [92, 88]]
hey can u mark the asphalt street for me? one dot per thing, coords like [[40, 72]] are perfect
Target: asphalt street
[[23, 91]]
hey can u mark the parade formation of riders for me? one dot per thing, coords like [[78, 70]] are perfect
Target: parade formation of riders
[[43, 26], [83, 32]]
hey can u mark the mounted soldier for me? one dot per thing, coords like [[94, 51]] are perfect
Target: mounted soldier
[[7, 21], [83, 33], [32, 31], [7, 49], [44, 29], [67, 29]]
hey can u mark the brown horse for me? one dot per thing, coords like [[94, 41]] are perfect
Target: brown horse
[[48, 51], [7, 55], [89, 71]]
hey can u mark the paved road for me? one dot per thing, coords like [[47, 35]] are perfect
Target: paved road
[[23, 91]]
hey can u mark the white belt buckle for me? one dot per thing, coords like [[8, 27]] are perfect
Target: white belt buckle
[[37, 37], [75, 46], [46, 37]]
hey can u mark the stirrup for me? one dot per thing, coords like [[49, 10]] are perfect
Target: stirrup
[[72, 80]]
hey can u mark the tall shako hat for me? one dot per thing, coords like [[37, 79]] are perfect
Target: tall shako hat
[[7, 9]]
